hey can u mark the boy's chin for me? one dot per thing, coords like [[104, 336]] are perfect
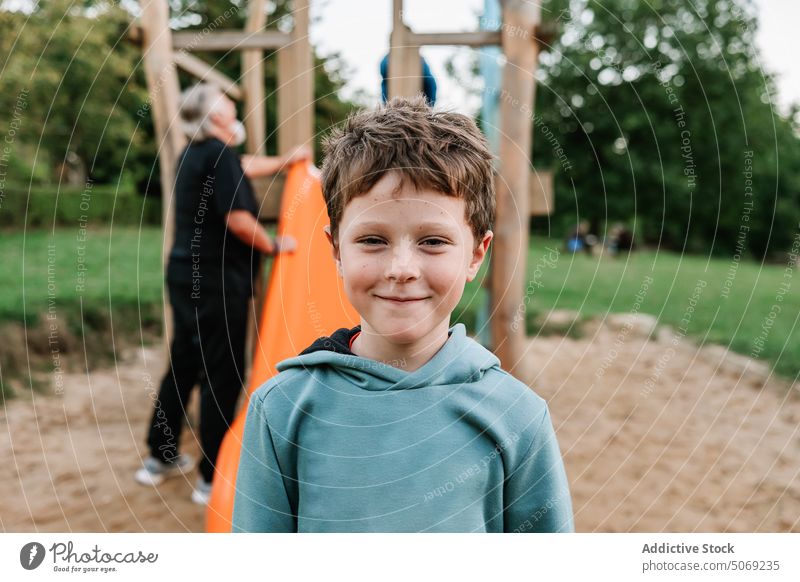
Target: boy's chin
[[402, 333]]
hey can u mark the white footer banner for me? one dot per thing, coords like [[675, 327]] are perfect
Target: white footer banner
[[401, 557]]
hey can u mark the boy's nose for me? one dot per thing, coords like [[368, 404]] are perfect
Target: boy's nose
[[403, 264]]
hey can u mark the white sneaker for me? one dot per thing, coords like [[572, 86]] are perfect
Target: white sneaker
[[155, 472], [202, 491]]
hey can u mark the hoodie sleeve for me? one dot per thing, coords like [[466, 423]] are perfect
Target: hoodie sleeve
[[261, 503], [536, 494]]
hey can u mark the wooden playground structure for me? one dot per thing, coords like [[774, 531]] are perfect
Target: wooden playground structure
[[520, 191]]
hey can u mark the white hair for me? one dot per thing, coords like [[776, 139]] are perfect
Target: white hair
[[197, 103]]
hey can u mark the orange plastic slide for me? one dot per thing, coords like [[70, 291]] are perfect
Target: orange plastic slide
[[305, 300]]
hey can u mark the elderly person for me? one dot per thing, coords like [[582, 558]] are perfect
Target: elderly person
[[210, 277]]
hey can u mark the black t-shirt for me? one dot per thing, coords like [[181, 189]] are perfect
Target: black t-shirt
[[211, 183]]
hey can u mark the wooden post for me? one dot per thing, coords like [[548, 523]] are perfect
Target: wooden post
[[164, 91], [513, 182], [254, 118], [405, 67], [254, 113], [296, 84]]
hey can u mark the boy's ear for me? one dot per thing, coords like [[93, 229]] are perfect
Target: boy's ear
[[334, 247], [478, 255]]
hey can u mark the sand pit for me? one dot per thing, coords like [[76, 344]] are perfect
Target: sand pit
[[658, 435], [72, 456]]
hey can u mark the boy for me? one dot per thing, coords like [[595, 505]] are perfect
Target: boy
[[402, 424]]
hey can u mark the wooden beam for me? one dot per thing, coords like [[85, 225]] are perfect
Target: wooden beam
[[541, 193], [226, 40], [474, 39], [304, 124], [164, 93], [254, 113], [544, 34], [513, 182], [405, 65], [268, 192], [205, 72], [296, 84], [286, 96]]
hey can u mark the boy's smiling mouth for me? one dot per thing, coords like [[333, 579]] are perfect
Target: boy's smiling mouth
[[401, 300]]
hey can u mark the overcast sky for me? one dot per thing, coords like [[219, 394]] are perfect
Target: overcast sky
[[359, 31], [341, 29]]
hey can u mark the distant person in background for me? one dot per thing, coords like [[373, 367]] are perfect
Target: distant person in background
[[620, 239], [212, 267], [580, 239], [428, 81], [575, 242]]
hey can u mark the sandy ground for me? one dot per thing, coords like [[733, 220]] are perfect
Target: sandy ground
[[657, 434], [72, 456]]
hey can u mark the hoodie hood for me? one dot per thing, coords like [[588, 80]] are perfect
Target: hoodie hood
[[460, 360], [338, 341]]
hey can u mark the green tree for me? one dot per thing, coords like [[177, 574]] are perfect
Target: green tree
[[662, 107], [86, 102], [74, 70]]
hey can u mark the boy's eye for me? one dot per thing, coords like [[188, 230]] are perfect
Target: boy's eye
[[371, 240], [434, 242]]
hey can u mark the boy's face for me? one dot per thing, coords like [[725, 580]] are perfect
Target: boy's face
[[405, 256]]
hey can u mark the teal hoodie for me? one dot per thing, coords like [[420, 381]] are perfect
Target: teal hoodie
[[339, 443]]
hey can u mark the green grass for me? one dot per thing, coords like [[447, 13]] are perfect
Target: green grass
[[110, 269], [594, 286], [123, 271]]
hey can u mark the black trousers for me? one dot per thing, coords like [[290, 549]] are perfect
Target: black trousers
[[208, 346]]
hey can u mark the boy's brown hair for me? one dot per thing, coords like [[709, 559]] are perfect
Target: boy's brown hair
[[439, 150]]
